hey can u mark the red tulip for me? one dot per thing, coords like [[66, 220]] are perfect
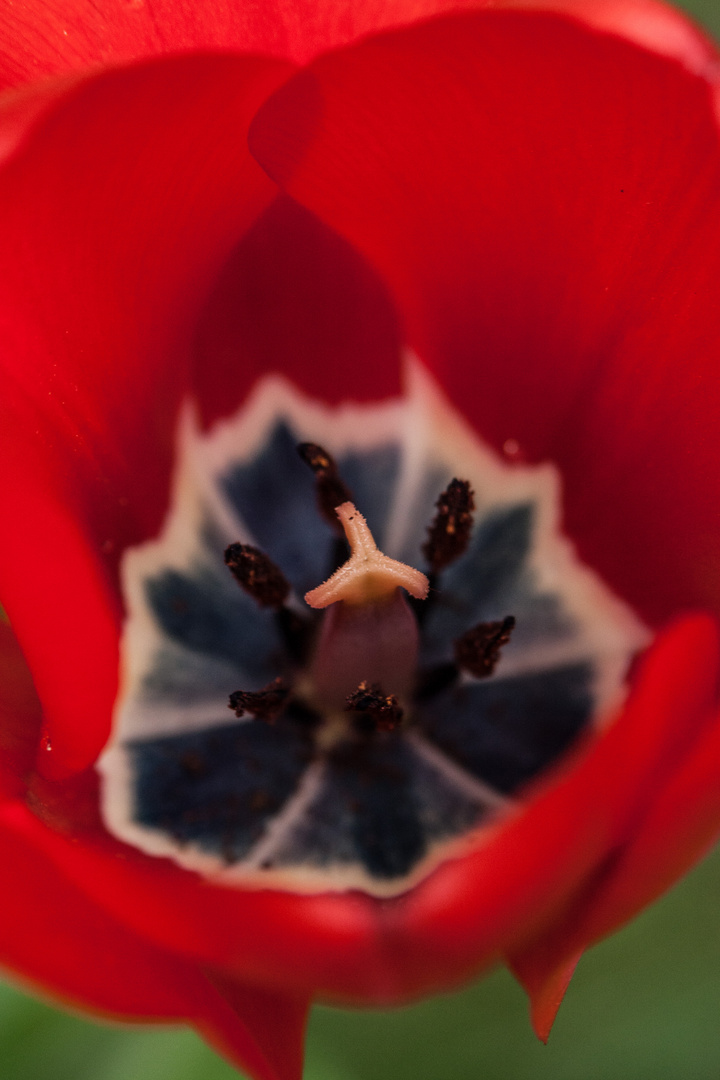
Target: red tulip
[[194, 197]]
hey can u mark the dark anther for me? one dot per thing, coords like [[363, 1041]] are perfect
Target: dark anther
[[449, 531], [478, 651], [316, 457], [257, 574], [382, 709], [265, 704], [330, 489]]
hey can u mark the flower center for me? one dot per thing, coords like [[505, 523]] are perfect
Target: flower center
[[372, 733], [369, 638]]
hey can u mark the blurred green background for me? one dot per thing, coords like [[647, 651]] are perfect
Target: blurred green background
[[644, 1005], [705, 11]]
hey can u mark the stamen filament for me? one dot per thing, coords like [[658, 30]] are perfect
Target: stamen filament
[[330, 488]]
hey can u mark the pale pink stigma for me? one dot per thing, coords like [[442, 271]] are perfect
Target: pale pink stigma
[[368, 575]]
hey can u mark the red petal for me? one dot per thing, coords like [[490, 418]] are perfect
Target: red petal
[[678, 828], [296, 298], [19, 716], [53, 935], [47, 37], [546, 988], [277, 1023], [104, 272], [543, 202], [658, 27], [512, 888]]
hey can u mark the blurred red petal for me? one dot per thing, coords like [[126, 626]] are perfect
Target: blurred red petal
[[296, 298], [103, 274], [20, 716], [507, 892], [21, 110], [656, 26], [677, 829], [55, 36], [281, 940], [545, 987], [496, 899], [276, 1022], [81, 955], [542, 201], [47, 37]]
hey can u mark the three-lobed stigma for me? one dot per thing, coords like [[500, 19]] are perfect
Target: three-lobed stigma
[[368, 576]]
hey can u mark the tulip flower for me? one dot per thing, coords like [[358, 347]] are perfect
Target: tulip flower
[[358, 373]]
